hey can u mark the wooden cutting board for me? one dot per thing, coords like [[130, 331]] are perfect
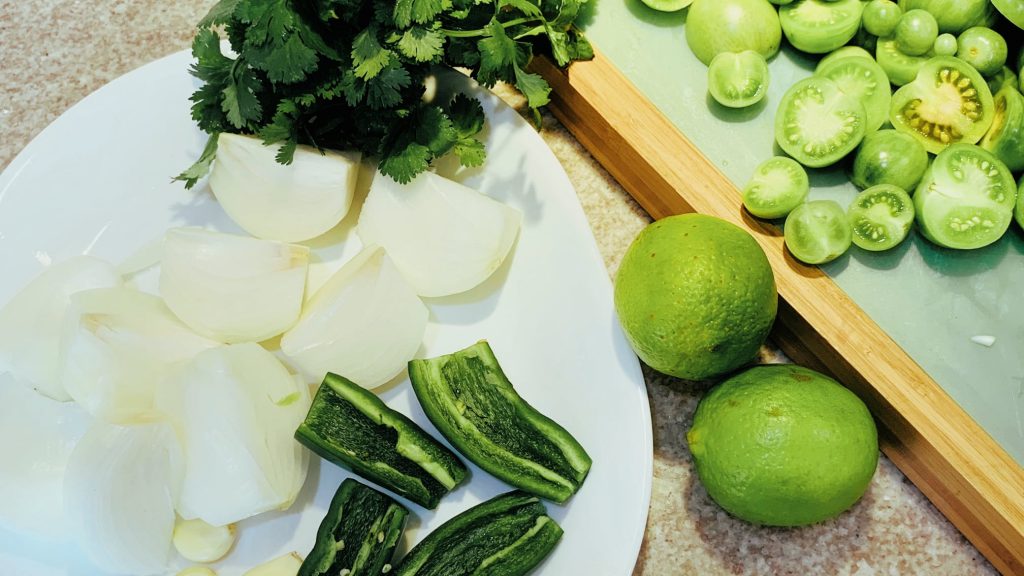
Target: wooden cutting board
[[895, 327]]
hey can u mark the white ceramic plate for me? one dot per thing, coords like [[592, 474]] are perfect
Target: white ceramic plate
[[98, 181]]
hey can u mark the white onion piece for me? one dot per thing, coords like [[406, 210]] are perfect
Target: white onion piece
[[287, 565], [37, 435], [444, 237], [237, 408], [118, 345], [365, 323], [119, 494], [290, 203], [232, 288], [31, 323]]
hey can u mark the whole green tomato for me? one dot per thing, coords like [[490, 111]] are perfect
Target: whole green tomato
[[716, 26]]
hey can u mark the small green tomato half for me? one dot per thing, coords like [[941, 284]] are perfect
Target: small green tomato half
[[738, 80], [819, 27], [777, 186], [916, 32], [716, 26], [817, 232], [983, 48], [881, 217], [889, 157], [817, 123], [1005, 138], [881, 17]]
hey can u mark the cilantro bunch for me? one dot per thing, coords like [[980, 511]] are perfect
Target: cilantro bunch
[[349, 74]]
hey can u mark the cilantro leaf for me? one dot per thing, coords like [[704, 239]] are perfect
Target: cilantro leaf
[[384, 89], [368, 56], [435, 130], [419, 11], [470, 152], [240, 103], [405, 163], [497, 53], [532, 86], [219, 14], [201, 167], [467, 115], [421, 44]]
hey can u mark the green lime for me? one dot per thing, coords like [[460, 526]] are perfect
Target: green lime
[[783, 445], [695, 296]]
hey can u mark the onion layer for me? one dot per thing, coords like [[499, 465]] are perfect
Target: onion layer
[[31, 323], [365, 323], [119, 494], [290, 203], [232, 288], [237, 408], [444, 237]]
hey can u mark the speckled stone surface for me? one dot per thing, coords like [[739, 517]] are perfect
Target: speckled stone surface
[[55, 52]]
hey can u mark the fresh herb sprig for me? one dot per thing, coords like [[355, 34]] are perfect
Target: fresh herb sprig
[[349, 74]]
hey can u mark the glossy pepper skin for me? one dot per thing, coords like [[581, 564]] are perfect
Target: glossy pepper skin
[[349, 426], [472, 403], [358, 534], [508, 535]]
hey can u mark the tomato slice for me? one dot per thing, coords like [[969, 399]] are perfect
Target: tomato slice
[[817, 123], [966, 199], [881, 217], [817, 232], [778, 186]]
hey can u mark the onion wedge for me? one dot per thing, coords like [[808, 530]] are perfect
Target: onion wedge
[[119, 344], [365, 323], [236, 409], [232, 288], [37, 435], [289, 203], [444, 237], [31, 323], [119, 494]]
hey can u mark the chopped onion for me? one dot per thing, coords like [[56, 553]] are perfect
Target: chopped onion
[[290, 203], [119, 494], [287, 565], [31, 323], [118, 345], [365, 323], [232, 288], [196, 571], [444, 237], [237, 408], [198, 541], [37, 435]]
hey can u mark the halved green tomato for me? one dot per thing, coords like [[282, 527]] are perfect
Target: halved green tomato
[[881, 217], [1018, 214], [818, 124], [948, 102], [667, 5], [817, 232], [738, 80], [889, 157], [966, 198], [863, 79], [819, 27], [1013, 10], [955, 15], [899, 67], [844, 52], [1005, 77], [777, 186], [1005, 138]]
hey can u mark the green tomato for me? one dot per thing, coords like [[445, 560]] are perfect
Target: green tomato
[[863, 79], [667, 5], [716, 26], [817, 123], [916, 32], [881, 217], [1013, 10], [1005, 138], [1018, 214], [777, 186], [899, 67], [983, 48], [966, 199], [945, 45], [889, 157], [955, 15], [819, 27], [844, 52], [738, 80], [1005, 77], [881, 17], [817, 232], [948, 102]]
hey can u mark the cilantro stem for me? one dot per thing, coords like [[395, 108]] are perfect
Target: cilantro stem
[[483, 32]]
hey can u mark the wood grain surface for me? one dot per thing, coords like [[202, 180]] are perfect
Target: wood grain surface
[[940, 448]]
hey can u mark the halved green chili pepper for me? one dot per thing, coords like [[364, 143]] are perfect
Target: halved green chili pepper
[[468, 398], [508, 535], [352, 428], [358, 535]]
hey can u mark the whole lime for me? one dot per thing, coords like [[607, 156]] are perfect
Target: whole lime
[[783, 445], [695, 296]]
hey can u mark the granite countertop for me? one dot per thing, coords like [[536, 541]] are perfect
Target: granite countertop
[[55, 52]]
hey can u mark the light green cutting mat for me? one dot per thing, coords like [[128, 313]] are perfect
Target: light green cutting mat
[[932, 301]]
